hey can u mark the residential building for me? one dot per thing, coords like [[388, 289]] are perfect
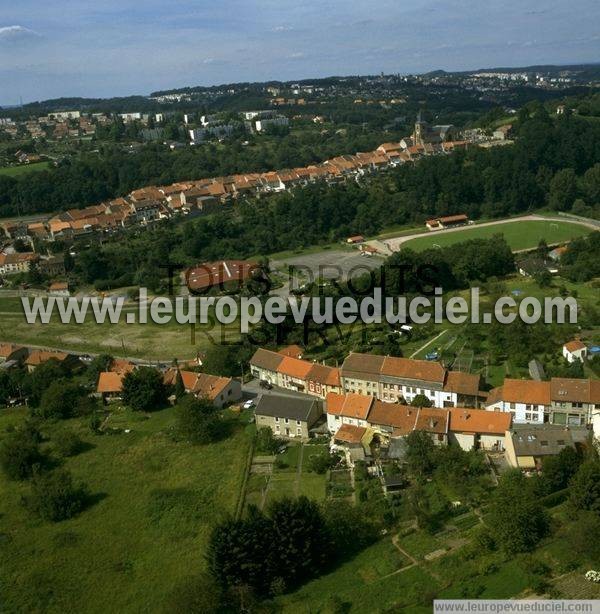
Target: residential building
[[9, 352], [59, 288], [220, 390], [526, 400], [11, 264], [349, 408], [562, 401], [527, 445], [39, 357], [478, 428], [392, 420], [400, 380], [574, 350], [288, 416]]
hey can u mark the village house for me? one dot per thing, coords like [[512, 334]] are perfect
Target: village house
[[449, 221], [12, 264], [574, 350], [280, 369], [39, 357], [478, 429], [220, 390], [561, 401], [59, 288], [110, 385], [527, 445], [350, 409], [286, 416], [354, 441], [526, 400], [11, 353], [392, 421], [400, 380]]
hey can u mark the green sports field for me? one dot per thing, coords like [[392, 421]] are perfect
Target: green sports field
[[520, 235]]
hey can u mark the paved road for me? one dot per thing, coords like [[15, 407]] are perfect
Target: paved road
[[253, 389], [395, 242]]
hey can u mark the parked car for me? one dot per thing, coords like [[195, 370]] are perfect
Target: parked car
[[248, 404], [266, 384]]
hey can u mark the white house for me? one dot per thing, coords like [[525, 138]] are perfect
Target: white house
[[526, 400], [574, 350], [350, 409]]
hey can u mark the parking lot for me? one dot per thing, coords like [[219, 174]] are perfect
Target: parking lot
[[327, 265]]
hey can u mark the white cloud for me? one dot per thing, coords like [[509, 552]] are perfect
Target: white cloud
[[15, 33]]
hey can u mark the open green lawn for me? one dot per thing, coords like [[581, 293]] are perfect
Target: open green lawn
[[23, 169], [145, 533], [519, 234]]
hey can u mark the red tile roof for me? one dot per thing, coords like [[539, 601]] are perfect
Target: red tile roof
[[479, 421], [348, 433]]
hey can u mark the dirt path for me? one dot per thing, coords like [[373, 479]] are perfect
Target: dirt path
[[428, 343]]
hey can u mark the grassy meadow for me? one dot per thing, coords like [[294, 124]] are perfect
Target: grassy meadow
[[146, 531]]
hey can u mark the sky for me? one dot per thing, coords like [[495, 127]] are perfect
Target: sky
[[104, 48]]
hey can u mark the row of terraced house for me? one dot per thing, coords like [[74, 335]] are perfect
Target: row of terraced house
[[566, 402], [151, 204]]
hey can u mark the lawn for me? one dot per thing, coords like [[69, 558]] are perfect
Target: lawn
[[146, 531], [23, 169], [519, 235]]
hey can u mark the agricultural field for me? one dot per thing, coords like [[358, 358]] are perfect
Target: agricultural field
[[519, 234], [154, 502]]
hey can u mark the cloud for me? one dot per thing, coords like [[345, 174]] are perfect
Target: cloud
[[16, 33], [283, 29]]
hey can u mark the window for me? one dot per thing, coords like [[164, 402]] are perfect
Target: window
[[276, 418], [512, 406], [298, 422], [299, 431], [287, 420]]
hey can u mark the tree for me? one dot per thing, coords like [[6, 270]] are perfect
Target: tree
[[61, 400], [198, 422], [54, 496], [558, 470], [144, 389], [563, 190], [580, 532], [585, 487], [266, 442], [419, 453], [421, 400], [517, 519], [20, 453], [179, 385]]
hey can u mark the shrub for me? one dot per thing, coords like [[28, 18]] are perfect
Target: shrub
[[55, 497], [67, 443], [20, 453]]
